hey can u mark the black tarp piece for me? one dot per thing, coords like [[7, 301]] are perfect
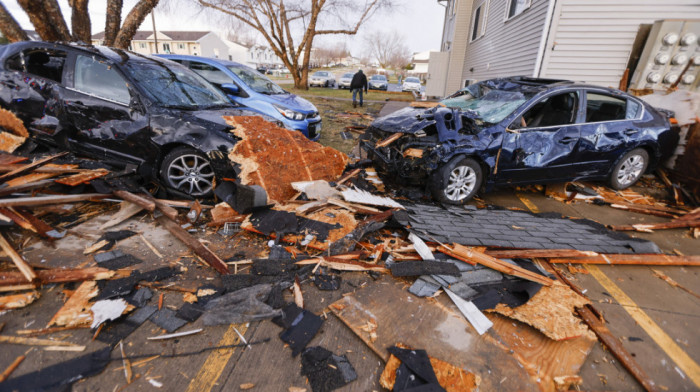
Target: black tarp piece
[[241, 306], [112, 237], [324, 370], [415, 372], [242, 198], [124, 286], [61, 376], [283, 222], [327, 282], [300, 327], [516, 229], [417, 268], [120, 330], [115, 260]]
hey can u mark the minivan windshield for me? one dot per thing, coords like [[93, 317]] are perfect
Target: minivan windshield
[[175, 86], [489, 105], [412, 80], [259, 83]]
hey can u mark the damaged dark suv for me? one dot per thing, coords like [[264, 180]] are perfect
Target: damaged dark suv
[[121, 108], [521, 131]]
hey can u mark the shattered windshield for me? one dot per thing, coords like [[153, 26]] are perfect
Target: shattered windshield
[[175, 87], [489, 105], [259, 83]]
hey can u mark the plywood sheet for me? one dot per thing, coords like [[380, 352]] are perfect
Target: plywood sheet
[[430, 325], [274, 157]]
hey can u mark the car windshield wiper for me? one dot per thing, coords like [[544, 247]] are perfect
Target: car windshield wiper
[[182, 107], [216, 106]]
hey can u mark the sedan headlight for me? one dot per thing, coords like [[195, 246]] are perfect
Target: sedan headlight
[[290, 114]]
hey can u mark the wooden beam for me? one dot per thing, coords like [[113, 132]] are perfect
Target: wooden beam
[[23, 169], [60, 276], [7, 372], [472, 256], [53, 199], [26, 187], [199, 249], [26, 269], [388, 140], [635, 259], [82, 177], [139, 200], [532, 253]]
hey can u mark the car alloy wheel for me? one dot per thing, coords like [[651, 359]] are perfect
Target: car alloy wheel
[[630, 170], [460, 183], [190, 173]]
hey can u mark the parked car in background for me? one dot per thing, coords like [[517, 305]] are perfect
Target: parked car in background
[[322, 79], [378, 82], [121, 108], [250, 90], [522, 131], [345, 80], [411, 84]]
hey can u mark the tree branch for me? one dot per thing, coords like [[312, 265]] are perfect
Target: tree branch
[[80, 21], [133, 21], [113, 21], [9, 26]]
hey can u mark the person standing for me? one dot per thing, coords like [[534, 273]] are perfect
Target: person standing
[[358, 83]]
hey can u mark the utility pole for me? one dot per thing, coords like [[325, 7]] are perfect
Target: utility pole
[[155, 34]]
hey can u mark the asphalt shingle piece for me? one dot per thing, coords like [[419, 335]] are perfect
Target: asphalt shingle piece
[[166, 319], [516, 229]]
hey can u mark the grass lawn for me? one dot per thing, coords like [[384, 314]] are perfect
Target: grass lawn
[[372, 95]]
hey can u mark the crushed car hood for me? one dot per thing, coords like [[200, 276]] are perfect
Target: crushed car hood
[[405, 120]]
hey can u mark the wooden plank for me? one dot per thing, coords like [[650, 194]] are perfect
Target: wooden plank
[[433, 326], [199, 249], [139, 200], [29, 167], [632, 259], [9, 159], [60, 276], [16, 301], [25, 187], [53, 199], [35, 341], [26, 269], [82, 177], [388, 140], [532, 253], [471, 256], [58, 169], [76, 311], [7, 372], [543, 358]]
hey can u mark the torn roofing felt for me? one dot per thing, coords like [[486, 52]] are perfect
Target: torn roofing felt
[[516, 229], [274, 157]]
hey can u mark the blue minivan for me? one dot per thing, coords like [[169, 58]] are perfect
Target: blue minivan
[[247, 88]]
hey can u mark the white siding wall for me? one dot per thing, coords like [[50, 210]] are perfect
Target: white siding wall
[[507, 48], [591, 40]]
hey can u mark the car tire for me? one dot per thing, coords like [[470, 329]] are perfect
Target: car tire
[[186, 170], [325, 84], [629, 169], [457, 181]]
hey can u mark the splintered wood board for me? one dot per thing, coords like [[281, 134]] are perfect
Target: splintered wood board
[[542, 357], [427, 324]]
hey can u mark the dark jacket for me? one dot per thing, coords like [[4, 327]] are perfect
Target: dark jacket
[[359, 80]]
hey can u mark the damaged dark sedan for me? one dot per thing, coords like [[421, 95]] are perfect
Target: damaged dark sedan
[[521, 131], [121, 108]]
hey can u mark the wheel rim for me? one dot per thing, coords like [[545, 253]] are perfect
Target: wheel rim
[[630, 170], [461, 183], [191, 174]]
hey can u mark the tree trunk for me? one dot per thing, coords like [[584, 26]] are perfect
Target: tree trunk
[[9, 26], [53, 13], [113, 21], [40, 18], [132, 22], [80, 21]]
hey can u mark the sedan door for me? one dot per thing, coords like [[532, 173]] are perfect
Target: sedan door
[[98, 106], [540, 144]]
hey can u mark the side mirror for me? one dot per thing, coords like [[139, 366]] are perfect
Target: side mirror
[[230, 88]]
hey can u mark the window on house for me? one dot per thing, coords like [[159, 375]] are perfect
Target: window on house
[[166, 48], [142, 45], [46, 63], [181, 46], [515, 7], [601, 107], [479, 21], [99, 79]]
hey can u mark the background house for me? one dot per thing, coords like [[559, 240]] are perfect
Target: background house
[[419, 61], [584, 40], [196, 43]]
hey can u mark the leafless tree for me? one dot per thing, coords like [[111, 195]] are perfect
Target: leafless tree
[[48, 21], [388, 48], [290, 26]]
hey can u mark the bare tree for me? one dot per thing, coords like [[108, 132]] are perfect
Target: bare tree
[[388, 48], [290, 26], [48, 21]]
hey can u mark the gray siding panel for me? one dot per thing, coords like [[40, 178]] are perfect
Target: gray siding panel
[[591, 40], [507, 48]]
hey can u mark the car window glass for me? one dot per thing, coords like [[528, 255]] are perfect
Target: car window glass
[[99, 79], [559, 109], [210, 73], [14, 63], [46, 63], [601, 107], [257, 82], [632, 111]]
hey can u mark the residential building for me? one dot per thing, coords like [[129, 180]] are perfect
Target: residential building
[[419, 61], [197, 43], [582, 40], [263, 56]]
